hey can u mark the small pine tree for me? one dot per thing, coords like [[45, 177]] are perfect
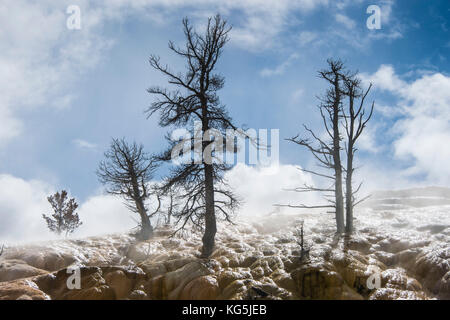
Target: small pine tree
[[304, 253], [64, 219]]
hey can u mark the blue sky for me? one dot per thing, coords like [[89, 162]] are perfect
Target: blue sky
[[65, 93]]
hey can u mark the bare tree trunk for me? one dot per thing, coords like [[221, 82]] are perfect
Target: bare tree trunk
[[349, 194], [348, 179], [354, 126], [169, 212], [146, 227], [60, 222], [339, 198], [210, 217], [349, 205]]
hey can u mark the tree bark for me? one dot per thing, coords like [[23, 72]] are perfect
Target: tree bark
[[146, 227], [337, 161], [169, 212], [348, 179], [339, 197], [210, 217], [349, 197]]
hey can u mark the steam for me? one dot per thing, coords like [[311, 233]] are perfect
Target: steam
[[22, 202]]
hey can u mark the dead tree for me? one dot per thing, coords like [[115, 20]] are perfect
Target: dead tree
[[168, 205], [194, 98], [327, 152], [64, 218], [170, 209], [304, 253], [172, 205], [126, 172], [355, 120], [342, 106], [1, 251]]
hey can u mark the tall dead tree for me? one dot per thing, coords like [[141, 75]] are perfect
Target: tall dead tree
[[194, 98], [327, 152], [126, 172], [343, 106], [355, 120]]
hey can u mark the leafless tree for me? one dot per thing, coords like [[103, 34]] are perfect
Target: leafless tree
[[195, 98], [172, 205], [64, 219], [169, 204], [339, 108], [1, 251], [327, 152], [126, 172], [356, 116]]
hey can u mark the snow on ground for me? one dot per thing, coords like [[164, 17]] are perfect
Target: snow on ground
[[407, 249]]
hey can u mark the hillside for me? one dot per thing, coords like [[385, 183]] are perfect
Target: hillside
[[409, 198], [407, 248]]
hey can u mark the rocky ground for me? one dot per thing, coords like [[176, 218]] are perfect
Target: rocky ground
[[408, 250]]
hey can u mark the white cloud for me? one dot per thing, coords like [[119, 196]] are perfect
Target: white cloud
[[388, 111], [10, 125], [265, 20], [391, 28], [385, 79], [375, 176], [22, 203], [280, 69], [40, 57], [103, 214], [392, 34], [306, 37], [262, 20], [261, 188], [423, 132], [342, 4], [297, 95], [367, 140], [346, 21], [386, 11], [360, 37], [84, 144]]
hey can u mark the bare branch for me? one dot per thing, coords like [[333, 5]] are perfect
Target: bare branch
[[362, 200], [301, 206], [316, 173]]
